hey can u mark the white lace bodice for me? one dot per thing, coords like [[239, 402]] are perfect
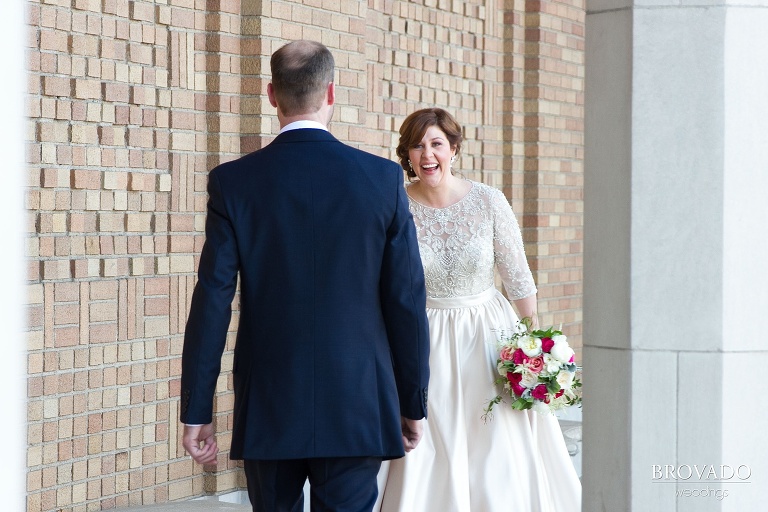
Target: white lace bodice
[[461, 244]]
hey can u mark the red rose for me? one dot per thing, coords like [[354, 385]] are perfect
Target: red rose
[[536, 364], [547, 344], [559, 393], [519, 357], [540, 393], [572, 358], [514, 380]]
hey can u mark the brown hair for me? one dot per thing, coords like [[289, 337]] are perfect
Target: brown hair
[[301, 72], [415, 126]]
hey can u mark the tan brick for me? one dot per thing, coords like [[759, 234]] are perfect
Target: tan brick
[[164, 183], [88, 5], [182, 263], [54, 132], [141, 11], [103, 312], [111, 222], [56, 269], [140, 137], [156, 326], [87, 89], [86, 179], [141, 182], [57, 86], [137, 222], [142, 95], [115, 180], [182, 141]]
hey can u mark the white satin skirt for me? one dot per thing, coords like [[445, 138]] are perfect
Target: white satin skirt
[[515, 462]]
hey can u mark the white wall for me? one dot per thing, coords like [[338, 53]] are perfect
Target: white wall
[[676, 238]]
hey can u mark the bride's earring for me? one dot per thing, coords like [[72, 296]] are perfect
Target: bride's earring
[[453, 159], [410, 164]]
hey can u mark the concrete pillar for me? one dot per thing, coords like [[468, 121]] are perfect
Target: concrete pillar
[[676, 255], [12, 222]]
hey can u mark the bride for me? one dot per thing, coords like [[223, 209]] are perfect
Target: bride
[[517, 461]]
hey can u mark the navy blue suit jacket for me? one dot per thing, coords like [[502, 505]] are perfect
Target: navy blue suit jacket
[[332, 345]]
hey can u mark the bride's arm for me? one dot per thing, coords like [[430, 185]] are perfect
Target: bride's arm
[[510, 259], [526, 307]]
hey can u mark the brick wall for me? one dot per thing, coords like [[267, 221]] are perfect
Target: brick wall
[[131, 103], [552, 156]]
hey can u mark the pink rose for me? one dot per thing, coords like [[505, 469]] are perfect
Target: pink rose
[[519, 357], [536, 364], [559, 393], [547, 344], [540, 393], [514, 380], [506, 353], [572, 358]]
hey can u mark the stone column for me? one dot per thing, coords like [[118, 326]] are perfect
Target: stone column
[[676, 238]]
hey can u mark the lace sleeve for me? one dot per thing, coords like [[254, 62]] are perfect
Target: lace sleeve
[[508, 251]]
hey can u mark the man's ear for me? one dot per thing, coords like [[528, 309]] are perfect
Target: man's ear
[[271, 95], [331, 93]]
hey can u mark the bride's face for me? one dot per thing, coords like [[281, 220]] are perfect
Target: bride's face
[[431, 157]]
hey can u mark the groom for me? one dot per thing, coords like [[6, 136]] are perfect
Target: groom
[[331, 359]]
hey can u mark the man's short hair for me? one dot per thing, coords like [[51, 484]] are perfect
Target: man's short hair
[[301, 72]]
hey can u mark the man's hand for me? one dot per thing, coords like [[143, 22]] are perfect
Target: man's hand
[[200, 443], [412, 431]]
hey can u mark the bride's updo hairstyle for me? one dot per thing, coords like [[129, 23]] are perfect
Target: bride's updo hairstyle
[[415, 126]]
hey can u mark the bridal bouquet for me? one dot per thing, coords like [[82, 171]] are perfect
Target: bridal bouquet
[[536, 369]]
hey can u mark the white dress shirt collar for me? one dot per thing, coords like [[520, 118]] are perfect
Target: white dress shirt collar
[[303, 124]]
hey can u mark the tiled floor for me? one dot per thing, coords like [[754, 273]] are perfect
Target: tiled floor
[[236, 501], [570, 422], [191, 506]]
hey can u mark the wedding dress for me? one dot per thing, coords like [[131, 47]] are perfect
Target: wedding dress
[[516, 461]]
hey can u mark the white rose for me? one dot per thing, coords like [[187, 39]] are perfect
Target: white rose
[[551, 365], [529, 379], [560, 338], [530, 345], [565, 379], [562, 352], [541, 407]]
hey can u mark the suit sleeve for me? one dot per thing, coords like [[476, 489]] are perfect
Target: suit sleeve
[[210, 311], [403, 297]]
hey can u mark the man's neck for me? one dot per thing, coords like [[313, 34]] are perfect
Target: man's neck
[[319, 117]]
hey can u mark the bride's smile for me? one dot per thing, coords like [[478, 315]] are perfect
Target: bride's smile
[[431, 157]]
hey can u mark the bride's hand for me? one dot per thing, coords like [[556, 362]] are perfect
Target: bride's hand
[[412, 431]]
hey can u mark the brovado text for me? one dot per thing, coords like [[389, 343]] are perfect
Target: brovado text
[[705, 472]]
